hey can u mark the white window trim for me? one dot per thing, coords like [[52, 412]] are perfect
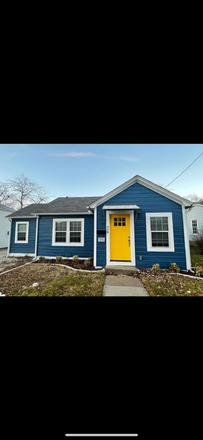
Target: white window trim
[[27, 232], [150, 248], [194, 220], [68, 220]]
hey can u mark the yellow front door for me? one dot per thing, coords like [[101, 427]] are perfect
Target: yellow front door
[[120, 241]]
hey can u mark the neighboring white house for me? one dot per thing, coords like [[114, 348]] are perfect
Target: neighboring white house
[[195, 219], [4, 225]]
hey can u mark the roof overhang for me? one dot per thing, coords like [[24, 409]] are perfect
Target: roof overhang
[[138, 179], [62, 213], [119, 207]]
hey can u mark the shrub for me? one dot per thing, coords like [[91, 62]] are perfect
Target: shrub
[[75, 258], [41, 259], [174, 267], [58, 258], [199, 271], [89, 262], [156, 267], [199, 241]]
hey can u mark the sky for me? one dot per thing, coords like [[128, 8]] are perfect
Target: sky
[[95, 169]]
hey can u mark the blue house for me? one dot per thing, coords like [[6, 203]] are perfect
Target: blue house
[[137, 224]]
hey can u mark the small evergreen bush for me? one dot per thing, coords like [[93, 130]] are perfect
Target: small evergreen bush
[[156, 267], [174, 267], [75, 258], [89, 262], [199, 271]]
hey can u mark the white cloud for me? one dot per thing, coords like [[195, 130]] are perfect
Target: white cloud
[[72, 154], [7, 156], [88, 154]]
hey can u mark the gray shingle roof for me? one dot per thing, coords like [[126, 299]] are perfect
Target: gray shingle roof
[[57, 206], [5, 208]]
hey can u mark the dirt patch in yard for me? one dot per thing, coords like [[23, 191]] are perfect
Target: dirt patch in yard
[[50, 281], [7, 263]]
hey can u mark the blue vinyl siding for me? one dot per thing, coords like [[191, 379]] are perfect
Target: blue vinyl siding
[[148, 201], [45, 247], [24, 248]]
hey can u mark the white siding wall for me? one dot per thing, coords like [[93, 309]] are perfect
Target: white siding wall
[[196, 213], [4, 227]]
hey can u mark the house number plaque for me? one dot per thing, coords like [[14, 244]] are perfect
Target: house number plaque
[[101, 239]]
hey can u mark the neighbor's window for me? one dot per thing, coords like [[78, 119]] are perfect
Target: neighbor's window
[[194, 227], [68, 232], [159, 232], [21, 233]]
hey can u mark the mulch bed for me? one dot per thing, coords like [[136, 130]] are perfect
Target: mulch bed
[[80, 264]]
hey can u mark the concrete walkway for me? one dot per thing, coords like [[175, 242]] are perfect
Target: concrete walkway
[[123, 285]]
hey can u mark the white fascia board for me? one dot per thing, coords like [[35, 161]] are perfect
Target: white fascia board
[[138, 179], [62, 213], [22, 216]]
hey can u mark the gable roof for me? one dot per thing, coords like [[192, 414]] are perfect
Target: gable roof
[[200, 203], [61, 205], [153, 186], [5, 208]]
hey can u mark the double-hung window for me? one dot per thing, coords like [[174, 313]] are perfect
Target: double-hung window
[[159, 228], [68, 232], [194, 227], [21, 232]]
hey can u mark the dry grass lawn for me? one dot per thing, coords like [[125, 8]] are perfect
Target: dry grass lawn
[[164, 284], [53, 281]]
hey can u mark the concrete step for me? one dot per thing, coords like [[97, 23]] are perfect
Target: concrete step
[[120, 270], [123, 285], [124, 291]]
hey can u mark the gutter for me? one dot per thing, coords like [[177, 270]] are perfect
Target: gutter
[[9, 242], [90, 210]]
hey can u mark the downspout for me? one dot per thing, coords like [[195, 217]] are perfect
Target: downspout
[[186, 239], [9, 242], [36, 236], [94, 212], [95, 237]]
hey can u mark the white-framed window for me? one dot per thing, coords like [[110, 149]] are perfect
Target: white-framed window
[[21, 232], [159, 229], [68, 232], [194, 227]]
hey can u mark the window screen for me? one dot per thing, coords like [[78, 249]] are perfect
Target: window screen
[[159, 238], [75, 232], [60, 231]]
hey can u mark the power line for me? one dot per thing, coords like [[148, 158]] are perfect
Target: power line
[[184, 170]]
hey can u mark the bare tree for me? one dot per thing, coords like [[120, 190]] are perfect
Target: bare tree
[[4, 194], [194, 197], [26, 191]]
